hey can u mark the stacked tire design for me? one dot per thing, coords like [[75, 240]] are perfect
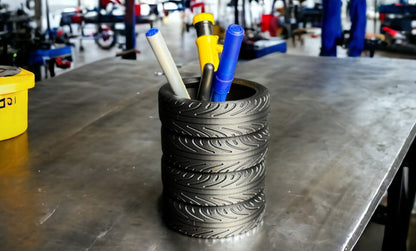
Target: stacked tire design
[[213, 166]]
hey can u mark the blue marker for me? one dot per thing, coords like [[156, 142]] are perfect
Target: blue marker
[[229, 57]]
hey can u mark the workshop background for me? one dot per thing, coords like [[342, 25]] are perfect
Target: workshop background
[[53, 37]]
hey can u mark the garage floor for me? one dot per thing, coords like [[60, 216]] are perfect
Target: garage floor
[[183, 49]]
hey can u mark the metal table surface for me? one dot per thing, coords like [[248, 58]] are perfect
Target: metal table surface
[[86, 175]]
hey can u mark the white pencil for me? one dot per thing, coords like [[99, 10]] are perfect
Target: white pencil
[[161, 51]]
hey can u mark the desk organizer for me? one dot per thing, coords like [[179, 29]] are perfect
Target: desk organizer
[[14, 85], [213, 166]]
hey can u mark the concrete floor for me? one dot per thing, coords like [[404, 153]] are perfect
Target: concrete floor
[[184, 50]]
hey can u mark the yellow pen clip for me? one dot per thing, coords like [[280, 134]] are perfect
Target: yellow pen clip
[[207, 43], [219, 48]]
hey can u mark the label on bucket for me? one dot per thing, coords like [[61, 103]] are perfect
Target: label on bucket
[[9, 101]]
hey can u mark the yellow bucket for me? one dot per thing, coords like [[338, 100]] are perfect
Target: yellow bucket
[[14, 83]]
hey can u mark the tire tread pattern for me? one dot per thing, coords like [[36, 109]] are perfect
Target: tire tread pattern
[[223, 147], [220, 130], [219, 189], [212, 166], [215, 119], [215, 222], [213, 169], [230, 109]]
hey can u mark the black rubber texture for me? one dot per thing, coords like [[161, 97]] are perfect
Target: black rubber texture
[[214, 222], [254, 104], [213, 169], [215, 148], [102, 46], [221, 130], [213, 165], [216, 119], [219, 189]]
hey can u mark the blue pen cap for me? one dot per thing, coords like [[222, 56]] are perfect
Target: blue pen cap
[[228, 62], [152, 32], [230, 52]]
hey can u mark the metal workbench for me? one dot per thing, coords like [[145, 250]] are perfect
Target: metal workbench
[[86, 175]]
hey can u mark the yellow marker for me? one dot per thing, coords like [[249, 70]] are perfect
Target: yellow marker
[[207, 43]]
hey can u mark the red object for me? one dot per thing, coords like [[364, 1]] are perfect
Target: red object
[[274, 24], [198, 6], [269, 23], [390, 31], [137, 10], [265, 22], [105, 28], [76, 19], [382, 17], [104, 3], [64, 64]]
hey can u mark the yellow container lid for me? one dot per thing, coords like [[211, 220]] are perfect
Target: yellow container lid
[[203, 17], [13, 79]]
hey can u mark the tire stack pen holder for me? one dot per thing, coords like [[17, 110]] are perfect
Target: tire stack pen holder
[[213, 167]]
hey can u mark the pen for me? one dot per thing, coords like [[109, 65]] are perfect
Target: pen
[[161, 51], [207, 43], [229, 57], [204, 89]]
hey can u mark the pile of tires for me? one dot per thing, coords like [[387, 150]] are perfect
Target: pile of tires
[[213, 168]]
